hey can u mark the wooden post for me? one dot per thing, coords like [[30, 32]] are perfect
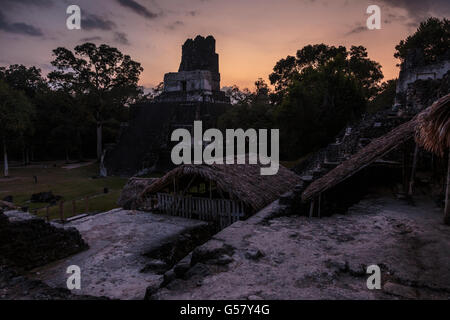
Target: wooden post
[[447, 194], [311, 208], [413, 171], [320, 200], [61, 210], [73, 208], [210, 189], [432, 166], [182, 194], [405, 170], [87, 204]]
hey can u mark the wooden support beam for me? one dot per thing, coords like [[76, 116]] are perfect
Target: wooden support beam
[[405, 170], [311, 208], [447, 194], [320, 200], [413, 171], [210, 189], [182, 194]]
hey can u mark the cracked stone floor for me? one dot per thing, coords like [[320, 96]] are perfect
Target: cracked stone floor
[[327, 258], [112, 265]]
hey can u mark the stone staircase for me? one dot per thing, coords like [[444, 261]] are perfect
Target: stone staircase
[[347, 143]]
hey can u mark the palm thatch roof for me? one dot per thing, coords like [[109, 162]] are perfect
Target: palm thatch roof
[[132, 190], [243, 182], [432, 125], [363, 158], [433, 131]]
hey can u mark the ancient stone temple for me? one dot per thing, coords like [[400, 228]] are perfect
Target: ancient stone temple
[[198, 78], [192, 93], [419, 80]]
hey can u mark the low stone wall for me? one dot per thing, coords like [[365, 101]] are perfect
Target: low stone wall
[[27, 242]]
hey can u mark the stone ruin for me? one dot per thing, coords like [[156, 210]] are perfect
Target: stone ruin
[[419, 79], [198, 78], [419, 94], [192, 93], [27, 242]]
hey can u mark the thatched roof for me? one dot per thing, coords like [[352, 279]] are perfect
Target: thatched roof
[[243, 182], [432, 126], [363, 158], [433, 131], [132, 190]]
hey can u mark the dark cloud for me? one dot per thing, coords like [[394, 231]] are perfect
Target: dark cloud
[[92, 21], [357, 28], [121, 38], [418, 10], [175, 25], [18, 27], [37, 3], [90, 39], [138, 8]]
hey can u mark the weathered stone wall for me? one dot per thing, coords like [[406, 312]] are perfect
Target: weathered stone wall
[[200, 54], [28, 242], [422, 93], [418, 73], [194, 80], [433, 72], [198, 78]]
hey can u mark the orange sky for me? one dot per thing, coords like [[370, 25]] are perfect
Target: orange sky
[[251, 35]]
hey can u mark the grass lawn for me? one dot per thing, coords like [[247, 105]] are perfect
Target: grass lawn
[[71, 184]]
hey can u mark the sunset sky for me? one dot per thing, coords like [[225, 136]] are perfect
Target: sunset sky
[[251, 35]]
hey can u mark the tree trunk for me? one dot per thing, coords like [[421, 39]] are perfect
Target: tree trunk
[[447, 194], [99, 140], [5, 157]]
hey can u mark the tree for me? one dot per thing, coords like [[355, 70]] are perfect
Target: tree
[[67, 122], [106, 78], [316, 107], [250, 110], [19, 77], [385, 97], [312, 57], [324, 90], [157, 91], [238, 96], [15, 117], [367, 72], [431, 39], [32, 84]]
